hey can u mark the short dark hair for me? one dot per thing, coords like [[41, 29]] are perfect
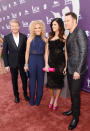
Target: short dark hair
[[72, 14]]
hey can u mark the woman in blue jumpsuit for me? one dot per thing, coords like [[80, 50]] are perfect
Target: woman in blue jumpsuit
[[34, 60]]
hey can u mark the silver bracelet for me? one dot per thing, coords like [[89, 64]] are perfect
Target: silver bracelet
[[25, 64]]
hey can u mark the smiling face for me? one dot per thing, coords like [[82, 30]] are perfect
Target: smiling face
[[69, 22], [37, 29], [15, 27], [55, 26]]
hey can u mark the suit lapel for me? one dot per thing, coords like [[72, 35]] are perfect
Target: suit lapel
[[71, 37], [12, 41]]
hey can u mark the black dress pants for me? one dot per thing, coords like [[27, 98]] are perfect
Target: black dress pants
[[14, 76], [74, 87]]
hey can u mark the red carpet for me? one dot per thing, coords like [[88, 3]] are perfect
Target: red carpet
[[23, 117]]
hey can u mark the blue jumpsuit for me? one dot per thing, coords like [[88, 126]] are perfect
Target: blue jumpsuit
[[36, 63]]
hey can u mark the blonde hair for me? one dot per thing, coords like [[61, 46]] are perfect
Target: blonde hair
[[14, 21], [32, 28]]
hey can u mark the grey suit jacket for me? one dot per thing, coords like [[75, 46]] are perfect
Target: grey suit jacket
[[77, 50]]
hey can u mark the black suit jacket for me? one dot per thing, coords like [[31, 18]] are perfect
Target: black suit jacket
[[77, 49], [14, 56]]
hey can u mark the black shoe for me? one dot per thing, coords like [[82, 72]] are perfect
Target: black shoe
[[68, 113], [17, 100], [73, 124], [26, 98]]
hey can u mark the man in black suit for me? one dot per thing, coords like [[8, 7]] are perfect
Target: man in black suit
[[14, 48], [77, 49]]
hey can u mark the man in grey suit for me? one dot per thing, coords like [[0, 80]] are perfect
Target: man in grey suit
[[77, 49]]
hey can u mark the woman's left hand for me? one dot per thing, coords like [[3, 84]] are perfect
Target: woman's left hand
[[46, 68]]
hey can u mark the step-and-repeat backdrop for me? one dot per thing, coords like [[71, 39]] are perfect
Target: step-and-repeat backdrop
[[27, 10]]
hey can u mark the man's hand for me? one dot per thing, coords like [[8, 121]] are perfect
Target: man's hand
[[64, 71], [76, 76]]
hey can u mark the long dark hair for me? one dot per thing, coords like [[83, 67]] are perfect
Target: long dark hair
[[61, 29]]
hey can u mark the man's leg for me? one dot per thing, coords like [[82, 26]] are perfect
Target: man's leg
[[14, 76], [74, 86], [69, 77], [75, 96], [24, 82]]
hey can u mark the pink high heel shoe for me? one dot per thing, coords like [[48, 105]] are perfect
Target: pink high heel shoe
[[55, 108], [50, 106]]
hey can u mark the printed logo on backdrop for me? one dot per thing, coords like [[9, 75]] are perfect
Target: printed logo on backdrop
[[35, 9], [75, 4], [45, 10]]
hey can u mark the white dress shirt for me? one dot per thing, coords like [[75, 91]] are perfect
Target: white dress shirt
[[16, 39]]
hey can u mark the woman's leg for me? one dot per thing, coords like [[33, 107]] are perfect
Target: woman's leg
[[57, 96], [51, 92], [40, 79], [32, 79]]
